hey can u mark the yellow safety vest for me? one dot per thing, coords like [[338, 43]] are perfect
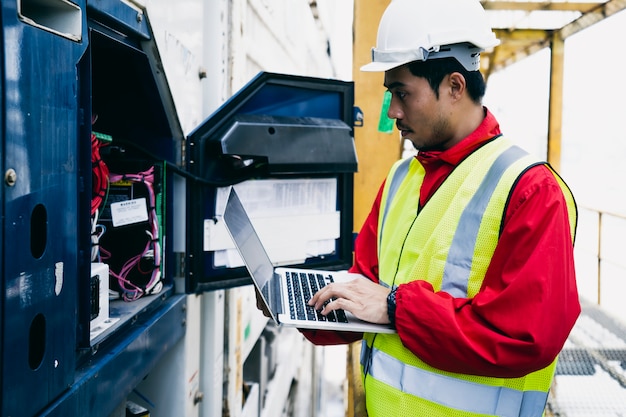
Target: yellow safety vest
[[440, 246]]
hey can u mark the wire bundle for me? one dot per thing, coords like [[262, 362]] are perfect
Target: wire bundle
[[152, 251], [100, 174], [100, 188]]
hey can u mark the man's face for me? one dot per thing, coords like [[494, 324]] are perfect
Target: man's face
[[420, 116]]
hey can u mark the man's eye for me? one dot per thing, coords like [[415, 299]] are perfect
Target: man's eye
[[400, 94]]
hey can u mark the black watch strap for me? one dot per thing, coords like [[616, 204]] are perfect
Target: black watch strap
[[391, 306]]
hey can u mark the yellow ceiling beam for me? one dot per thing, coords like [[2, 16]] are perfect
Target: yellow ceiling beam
[[602, 12], [516, 44], [521, 35], [530, 6], [520, 43]]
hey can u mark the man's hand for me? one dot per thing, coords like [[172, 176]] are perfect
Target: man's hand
[[260, 304], [365, 299]]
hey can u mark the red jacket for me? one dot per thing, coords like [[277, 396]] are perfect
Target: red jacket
[[528, 303]]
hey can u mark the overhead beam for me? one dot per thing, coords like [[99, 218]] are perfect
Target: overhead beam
[[603, 11], [516, 44], [521, 35], [520, 43], [530, 6]]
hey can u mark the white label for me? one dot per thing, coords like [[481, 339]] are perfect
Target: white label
[[58, 277], [129, 212], [207, 234]]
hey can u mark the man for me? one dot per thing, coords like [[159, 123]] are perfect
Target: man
[[469, 245]]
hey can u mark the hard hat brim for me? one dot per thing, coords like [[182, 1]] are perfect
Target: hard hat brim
[[381, 66]]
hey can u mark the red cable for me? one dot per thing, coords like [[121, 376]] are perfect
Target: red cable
[[100, 175]]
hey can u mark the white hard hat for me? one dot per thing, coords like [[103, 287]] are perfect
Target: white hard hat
[[417, 30]]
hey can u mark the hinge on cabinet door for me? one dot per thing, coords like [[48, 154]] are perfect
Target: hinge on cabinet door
[[183, 152], [357, 116]]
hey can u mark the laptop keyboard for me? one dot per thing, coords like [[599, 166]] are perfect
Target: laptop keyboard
[[301, 287]]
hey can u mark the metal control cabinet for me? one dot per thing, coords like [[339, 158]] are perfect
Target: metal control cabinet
[[70, 68]]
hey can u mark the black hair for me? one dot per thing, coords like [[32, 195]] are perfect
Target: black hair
[[434, 70]]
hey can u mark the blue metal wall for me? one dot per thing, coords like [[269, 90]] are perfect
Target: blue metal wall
[[47, 82], [39, 238]]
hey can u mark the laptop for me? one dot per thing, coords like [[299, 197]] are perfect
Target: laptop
[[286, 291]]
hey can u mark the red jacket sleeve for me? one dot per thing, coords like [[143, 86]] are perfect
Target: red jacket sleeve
[[522, 316]]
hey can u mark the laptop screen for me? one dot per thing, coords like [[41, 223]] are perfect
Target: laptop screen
[[248, 243]]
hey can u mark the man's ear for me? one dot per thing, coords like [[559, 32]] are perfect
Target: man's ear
[[456, 85]]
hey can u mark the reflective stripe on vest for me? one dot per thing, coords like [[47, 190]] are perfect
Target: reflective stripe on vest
[[399, 175], [459, 263], [452, 392]]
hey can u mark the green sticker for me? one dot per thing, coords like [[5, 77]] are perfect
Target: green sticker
[[385, 124]]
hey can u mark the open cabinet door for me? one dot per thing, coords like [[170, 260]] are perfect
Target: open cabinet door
[[301, 203]]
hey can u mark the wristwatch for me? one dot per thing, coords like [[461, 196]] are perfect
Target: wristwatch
[[391, 306]]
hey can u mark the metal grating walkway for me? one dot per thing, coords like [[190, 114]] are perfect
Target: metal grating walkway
[[591, 373]]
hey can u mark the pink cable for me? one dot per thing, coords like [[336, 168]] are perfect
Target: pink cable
[[131, 291]]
